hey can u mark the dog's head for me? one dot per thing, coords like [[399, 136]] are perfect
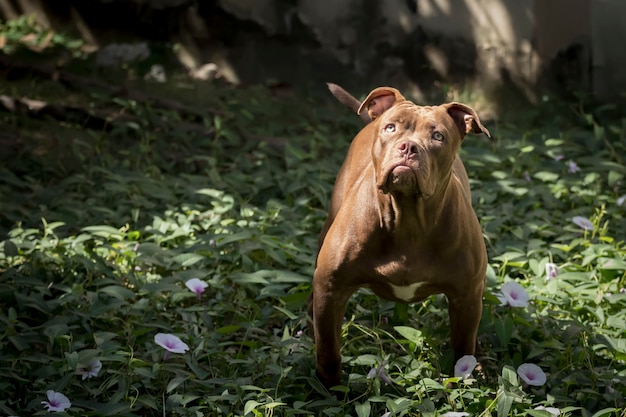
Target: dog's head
[[415, 146]]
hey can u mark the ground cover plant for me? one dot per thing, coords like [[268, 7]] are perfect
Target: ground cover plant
[[159, 262]]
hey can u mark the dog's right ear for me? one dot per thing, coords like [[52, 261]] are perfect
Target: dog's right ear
[[380, 100]]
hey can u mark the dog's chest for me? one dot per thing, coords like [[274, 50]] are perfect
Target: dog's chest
[[409, 279], [406, 292]]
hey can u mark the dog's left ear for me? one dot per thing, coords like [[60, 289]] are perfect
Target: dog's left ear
[[466, 119], [380, 100]]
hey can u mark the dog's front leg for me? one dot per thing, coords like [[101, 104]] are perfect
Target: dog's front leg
[[327, 306], [465, 311]]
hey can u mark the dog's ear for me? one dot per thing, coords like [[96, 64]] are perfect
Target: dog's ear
[[466, 119], [380, 100]]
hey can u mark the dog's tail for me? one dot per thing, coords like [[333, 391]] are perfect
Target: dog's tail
[[348, 100]]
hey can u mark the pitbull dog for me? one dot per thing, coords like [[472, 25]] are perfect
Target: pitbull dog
[[400, 221]]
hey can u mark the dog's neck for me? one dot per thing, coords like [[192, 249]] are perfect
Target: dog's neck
[[413, 214]]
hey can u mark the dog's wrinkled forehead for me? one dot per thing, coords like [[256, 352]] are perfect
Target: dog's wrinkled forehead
[[413, 116]]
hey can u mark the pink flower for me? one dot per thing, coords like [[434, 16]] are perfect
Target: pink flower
[[513, 294], [56, 401], [171, 343], [552, 270], [582, 222], [465, 366], [92, 369], [531, 374], [196, 285]]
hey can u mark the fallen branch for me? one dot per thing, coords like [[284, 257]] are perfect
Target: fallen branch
[[39, 109], [94, 121]]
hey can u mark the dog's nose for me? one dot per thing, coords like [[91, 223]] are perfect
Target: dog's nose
[[407, 148]]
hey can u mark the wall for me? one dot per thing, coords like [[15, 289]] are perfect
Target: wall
[[570, 45], [608, 34]]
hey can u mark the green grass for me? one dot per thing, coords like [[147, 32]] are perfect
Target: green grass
[[101, 229]]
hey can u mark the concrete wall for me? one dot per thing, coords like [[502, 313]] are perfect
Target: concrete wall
[[570, 44]]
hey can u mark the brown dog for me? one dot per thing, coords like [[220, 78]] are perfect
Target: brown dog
[[400, 221]]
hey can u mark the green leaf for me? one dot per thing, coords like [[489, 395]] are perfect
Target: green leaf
[[606, 412], [509, 256], [87, 355], [104, 231], [504, 330], [290, 277], [174, 383], [20, 343], [72, 359], [411, 334], [109, 409], [363, 409], [56, 330], [10, 249], [546, 176], [611, 264], [121, 293], [505, 402], [289, 314], [509, 375], [198, 371], [539, 413], [431, 384], [187, 259], [235, 237], [225, 330], [614, 177], [340, 388], [253, 278], [273, 404]]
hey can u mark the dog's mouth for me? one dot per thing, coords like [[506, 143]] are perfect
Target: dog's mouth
[[399, 178]]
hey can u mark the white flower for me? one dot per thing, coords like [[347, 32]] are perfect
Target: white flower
[[552, 270], [455, 414], [513, 294], [91, 370], [552, 410], [171, 343], [620, 201], [56, 401], [464, 366], [196, 285], [582, 222], [531, 374]]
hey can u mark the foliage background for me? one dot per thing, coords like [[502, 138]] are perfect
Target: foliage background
[[101, 227]]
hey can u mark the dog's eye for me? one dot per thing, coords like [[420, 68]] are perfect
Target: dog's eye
[[390, 128], [438, 136]]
